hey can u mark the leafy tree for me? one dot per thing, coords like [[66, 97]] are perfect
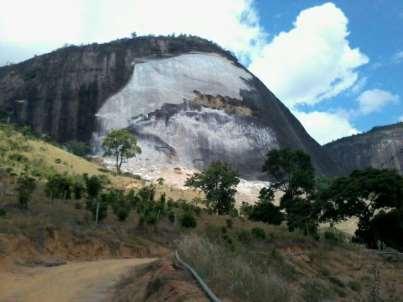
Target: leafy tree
[[120, 206], [264, 210], [121, 144], [59, 187], [25, 187], [291, 172], [96, 204], [219, 183], [375, 197]]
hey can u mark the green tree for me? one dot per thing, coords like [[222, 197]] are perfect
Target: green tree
[[122, 145], [95, 203], [219, 183], [25, 187], [375, 197], [59, 186], [264, 210], [291, 172]]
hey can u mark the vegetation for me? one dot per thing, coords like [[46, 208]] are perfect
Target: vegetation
[[218, 182], [121, 144], [25, 187], [241, 259], [78, 148], [373, 196], [188, 220]]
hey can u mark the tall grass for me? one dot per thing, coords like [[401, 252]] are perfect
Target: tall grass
[[231, 275]]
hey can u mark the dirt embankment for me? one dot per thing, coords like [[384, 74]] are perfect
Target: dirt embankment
[[163, 280]]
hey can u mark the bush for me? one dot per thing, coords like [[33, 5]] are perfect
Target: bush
[[18, 157], [59, 187], [258, 233], [172, 217], [334, 236], [188, 220], [244, 236], [229, 223], [355, 285], [3, 212], [78, 148], [25, 187]]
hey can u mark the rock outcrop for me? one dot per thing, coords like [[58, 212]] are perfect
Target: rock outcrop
[[189, 102], [381, 148]]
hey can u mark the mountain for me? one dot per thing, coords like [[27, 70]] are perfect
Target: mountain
[[381, 148], [188, 101]]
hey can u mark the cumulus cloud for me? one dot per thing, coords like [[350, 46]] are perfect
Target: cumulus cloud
[[234, 24], [325, 127], [371, 101], [313, 61]]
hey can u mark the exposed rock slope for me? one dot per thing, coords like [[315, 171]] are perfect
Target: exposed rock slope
[[188, 101], [381, 148]]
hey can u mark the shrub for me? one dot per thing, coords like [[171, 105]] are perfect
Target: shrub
[[187, 220], [334, 236], [3, 212], [244, 236], [355, 285], [59, 187], [25, 187], [258, 233], [229, 223], [78, 148], [18, 157], [171, 216]]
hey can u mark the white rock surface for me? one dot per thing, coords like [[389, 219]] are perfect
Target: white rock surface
[[171, 80]]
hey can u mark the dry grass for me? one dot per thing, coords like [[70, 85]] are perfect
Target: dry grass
[[231, 275]]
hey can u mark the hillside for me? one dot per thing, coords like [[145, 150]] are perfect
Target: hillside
[[53, 238], [188, 101], [381, 148]]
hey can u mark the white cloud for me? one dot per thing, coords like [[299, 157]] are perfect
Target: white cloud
[[325, 127], [374, 100], [398, 57], [359, 85], [401, 119], [233, 24], [313, 61]]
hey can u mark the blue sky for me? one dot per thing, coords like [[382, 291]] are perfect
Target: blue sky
[[376, 28], [337, 65]]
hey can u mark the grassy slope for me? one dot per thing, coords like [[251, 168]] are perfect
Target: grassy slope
[[43, 158], [287, 262]]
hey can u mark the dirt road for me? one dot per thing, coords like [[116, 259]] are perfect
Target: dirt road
[[81, 281]]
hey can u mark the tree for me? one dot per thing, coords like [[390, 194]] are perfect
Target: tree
[[291, 172], [375, 197], [25, 187], [264, 210], [96, 204], [219, 183], [121, 144], [59, 186]]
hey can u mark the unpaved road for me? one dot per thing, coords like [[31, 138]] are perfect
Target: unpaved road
[[80, 281]]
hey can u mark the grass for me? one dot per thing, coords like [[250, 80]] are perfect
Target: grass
[[241, 260]]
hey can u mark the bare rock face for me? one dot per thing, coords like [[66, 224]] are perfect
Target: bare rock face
[[381, 148], [188, 101]]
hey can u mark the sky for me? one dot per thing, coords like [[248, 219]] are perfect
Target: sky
[[337, 65]]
